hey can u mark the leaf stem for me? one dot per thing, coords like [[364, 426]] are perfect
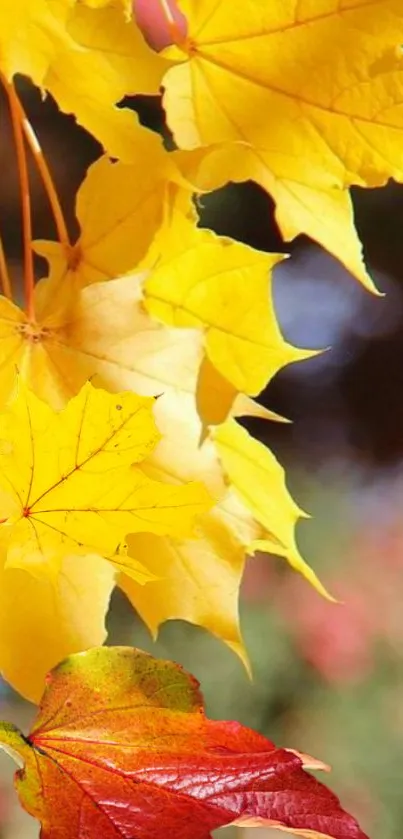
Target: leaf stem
[[47, 179], [29, 278], [5, 281]]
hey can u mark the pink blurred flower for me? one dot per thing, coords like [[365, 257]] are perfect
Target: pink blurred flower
[[154, 24], [335, 638], [339, 640]]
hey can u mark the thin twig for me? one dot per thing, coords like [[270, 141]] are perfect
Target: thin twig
[[47, 179], [29, 277]]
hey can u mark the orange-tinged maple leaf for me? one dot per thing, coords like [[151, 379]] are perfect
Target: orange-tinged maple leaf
[[270, 75], [68, 484], [122, 746]]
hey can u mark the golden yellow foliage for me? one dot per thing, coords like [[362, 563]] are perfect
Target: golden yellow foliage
[[196, 580], [102, 331], [223, 288], [199, 580], [105, 59], [105, 333], [258, 480], [43, 620], [269, 75], [119, 209], [32, 33], [147, 303], [325, 215], [68, 484]]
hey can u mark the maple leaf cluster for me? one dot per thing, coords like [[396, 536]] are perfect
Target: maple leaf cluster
[[122, 380], [145, 301], [144, 304]]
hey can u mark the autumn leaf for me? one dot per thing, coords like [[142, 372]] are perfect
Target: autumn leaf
[[68, 485], [323, 214], [259, 481], [196, 580], [102, 333], [132, 197], [125, 5], [32, 32], [43, 620], [105, 59], [224, 288], [326, 123], [68, 321], [89, 327], [105, 333], [217, 399], [121, 746]]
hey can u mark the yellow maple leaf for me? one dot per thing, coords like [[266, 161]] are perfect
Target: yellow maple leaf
[[105, 59], [149, 201], [259, 481], [102, 333], [68, 485], [270, 75], [126, 5], [119, 209], [217, 399], [199, 580], [324, 214], [42, 621], [224, 288], [195, 580], [31, 34]]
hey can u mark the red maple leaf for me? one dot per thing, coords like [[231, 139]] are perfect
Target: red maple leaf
[[122, 749]]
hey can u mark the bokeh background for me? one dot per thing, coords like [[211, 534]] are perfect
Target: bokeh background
[[328, 679]]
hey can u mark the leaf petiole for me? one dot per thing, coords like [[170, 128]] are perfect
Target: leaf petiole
[[29, 278], [47, 180]]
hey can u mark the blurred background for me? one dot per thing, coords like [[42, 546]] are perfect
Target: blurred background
[[328, 679]]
